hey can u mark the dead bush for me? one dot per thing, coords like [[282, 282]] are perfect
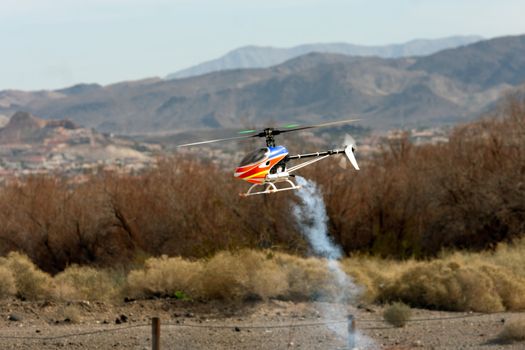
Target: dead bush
[[486, 282], [397, 314], [445, 286], [85, 283], [31, 283], [511, 256], [459, 281], [71, 313], [374, 274], [7, 286], [241, 275], [308, 278], [234, 276], [509, 287], [165, 276], [264, 278]]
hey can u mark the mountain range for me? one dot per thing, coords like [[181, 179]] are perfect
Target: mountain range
[[263, 57], [449, 86]]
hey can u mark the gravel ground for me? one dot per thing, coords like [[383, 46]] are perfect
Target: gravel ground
[[258, 325]]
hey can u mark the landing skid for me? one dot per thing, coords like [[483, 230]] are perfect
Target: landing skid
[[270, 188]]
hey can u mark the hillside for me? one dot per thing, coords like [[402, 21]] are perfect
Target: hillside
[[443, 88], [25, 128], [29, 144], [483, 64], [262, 57]]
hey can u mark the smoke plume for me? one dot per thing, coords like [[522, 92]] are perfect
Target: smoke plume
[[310, 214]]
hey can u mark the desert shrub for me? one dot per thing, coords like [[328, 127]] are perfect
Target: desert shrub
[[164, 276], [235, 276], [224, 277], [486, 282], [397, 314], [505, 267], [374, 274], [514, 331], [264, 277], [31, 283], [85, 283], [308, 278], [511, 256], [71, 313], [242, 274], [460, 281], [445, 286], [509, 287], [7, 286]]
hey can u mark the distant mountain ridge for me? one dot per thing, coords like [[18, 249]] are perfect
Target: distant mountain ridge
[[263, 57], [450, 86]]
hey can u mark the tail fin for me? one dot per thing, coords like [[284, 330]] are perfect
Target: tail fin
[[349, 150]]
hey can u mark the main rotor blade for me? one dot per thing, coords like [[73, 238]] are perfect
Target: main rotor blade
[[320, 125], [247, 131], [216, 140], [289, 126], [273, 131]]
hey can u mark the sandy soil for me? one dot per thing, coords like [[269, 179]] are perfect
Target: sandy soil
[[257, 325]]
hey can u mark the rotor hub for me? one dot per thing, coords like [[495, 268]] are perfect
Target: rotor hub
[[269, 134]]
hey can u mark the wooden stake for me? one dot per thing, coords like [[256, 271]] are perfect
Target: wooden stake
[[351, 332], [155, 333]]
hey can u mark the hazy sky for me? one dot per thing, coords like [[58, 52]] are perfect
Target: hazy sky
[[48, 44]]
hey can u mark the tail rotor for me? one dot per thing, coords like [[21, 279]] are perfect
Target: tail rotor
[[350, 146]]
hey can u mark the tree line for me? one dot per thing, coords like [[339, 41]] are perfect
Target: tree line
[[407, 201]]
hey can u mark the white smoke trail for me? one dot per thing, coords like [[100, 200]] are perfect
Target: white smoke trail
[[311, 216]]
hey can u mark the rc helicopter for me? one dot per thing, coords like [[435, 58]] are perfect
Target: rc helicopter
[[267, 168]]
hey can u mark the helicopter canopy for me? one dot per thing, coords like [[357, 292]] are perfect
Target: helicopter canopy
[[255, 156]]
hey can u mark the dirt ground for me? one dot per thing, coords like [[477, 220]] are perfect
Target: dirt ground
[[259, 325]]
